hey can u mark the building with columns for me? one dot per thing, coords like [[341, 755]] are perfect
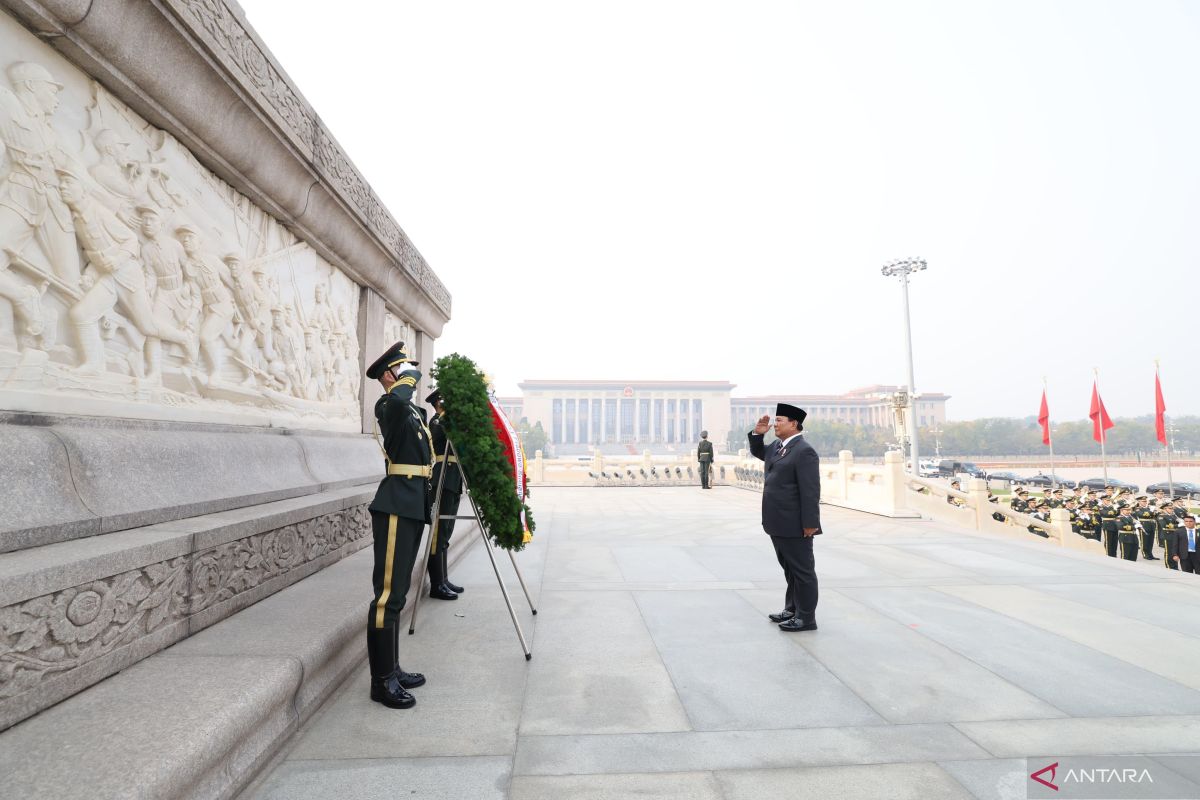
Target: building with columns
[[626, 412], [578, 414], [870, 406]]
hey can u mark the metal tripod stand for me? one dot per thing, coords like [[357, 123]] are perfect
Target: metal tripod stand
[[433, 532]]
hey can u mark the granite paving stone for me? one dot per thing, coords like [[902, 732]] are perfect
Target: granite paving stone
[[944, 658]]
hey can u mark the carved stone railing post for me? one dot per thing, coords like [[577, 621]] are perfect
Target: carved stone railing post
[[537, 471], [845, 462], [1060, 520], [893, 480], [977, 491], [597, 460]]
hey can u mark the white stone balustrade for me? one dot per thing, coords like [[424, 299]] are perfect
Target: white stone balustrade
[[879, 489]]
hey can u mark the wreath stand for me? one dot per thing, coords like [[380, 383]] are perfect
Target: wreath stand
[[487, 544]]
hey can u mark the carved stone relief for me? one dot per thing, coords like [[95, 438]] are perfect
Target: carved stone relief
[[396, 330], [54, 633], [132, 278]]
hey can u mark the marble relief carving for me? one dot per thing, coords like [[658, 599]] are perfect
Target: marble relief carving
[[54, 633], [59, 632], [131, 274]]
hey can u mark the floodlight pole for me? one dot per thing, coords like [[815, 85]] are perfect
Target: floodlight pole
[[904, 267]]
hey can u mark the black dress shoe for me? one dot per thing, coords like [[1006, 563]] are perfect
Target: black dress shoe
[[442, 592], [796, 624], [454, 587], [390, 692], [782, 616], [409, 680]]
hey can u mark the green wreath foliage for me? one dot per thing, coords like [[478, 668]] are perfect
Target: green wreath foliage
[[468, 423]]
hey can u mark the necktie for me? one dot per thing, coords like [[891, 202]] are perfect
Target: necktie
[[1191, 540]]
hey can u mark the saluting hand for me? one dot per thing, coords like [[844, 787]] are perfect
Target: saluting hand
[[764, 423]]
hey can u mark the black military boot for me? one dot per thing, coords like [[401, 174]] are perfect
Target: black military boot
[[385, 679], [446, 573], [409, 680], [438, 589]]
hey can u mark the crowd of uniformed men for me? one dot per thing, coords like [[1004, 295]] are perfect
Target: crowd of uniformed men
[[1127, 526]]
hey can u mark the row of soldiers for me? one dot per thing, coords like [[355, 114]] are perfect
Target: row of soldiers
[[1125, 524]]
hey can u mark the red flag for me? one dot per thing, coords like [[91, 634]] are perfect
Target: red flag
[[1044, 419], [1099, 416], [1160, 408]]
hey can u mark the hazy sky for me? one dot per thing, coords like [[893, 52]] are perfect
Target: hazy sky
[[707, 190]]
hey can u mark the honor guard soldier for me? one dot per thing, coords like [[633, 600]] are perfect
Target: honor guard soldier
[[399, 513], [447, 474], [704, 454], [951, 499], [1055, 500], [1168, 524], [1039, 511], [1108, 525], [1147, 515], [1127, 533], [1020, 503]]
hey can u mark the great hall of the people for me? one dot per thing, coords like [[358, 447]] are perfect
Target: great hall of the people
[[661, 414]]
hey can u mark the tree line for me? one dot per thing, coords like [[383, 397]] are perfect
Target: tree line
[[1000, 436]]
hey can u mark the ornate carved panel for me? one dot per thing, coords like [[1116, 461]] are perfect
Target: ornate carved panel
[[58, 632], [224, 572], [133, 282]]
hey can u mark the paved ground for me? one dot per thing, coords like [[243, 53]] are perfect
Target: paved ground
[[942, 661]]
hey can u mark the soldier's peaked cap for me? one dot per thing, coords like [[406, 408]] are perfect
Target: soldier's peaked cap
[[394, 355], [791, 412], [434, 397]]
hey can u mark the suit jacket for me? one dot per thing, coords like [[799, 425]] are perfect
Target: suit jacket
[[704, 452], [454, 474], [405, 441], [791, 487], [1177, 543]]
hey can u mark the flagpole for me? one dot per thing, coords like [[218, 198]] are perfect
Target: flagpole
[[1049, 435], [1167, 431], [1103, 433]]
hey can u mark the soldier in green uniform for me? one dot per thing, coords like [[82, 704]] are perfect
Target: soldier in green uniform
[[399, 514], [1055, 499], [446, 470], [1108, 524], [1168, 523], [1041, 511], [1020, 503], [1147, 515], [704, 454], [1127, 533]]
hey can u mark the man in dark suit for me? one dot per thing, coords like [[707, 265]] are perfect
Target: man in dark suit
[[790, 513], [1185, 541], [399, 513], [704, 455]]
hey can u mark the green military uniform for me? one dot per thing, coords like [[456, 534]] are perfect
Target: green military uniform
[[1108, 526], [1040, 512], [1127, 533], [1168, 523], [1147, 515], [448, 475], [704, 454], [399, 513]]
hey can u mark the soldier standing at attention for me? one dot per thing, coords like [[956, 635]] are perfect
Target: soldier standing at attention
[[1128, 534], [399, 513], [446, 472], [704, 454], [1108, 525], [1168, 524], [1147, 515]]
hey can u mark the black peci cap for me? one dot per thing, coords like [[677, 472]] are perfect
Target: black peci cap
[[791, 412]]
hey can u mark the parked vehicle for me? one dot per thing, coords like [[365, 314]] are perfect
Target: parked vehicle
[[951, 469], [1011, 477], [927, 468], [1044, 480], [1180, 489], [1098, 483]]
